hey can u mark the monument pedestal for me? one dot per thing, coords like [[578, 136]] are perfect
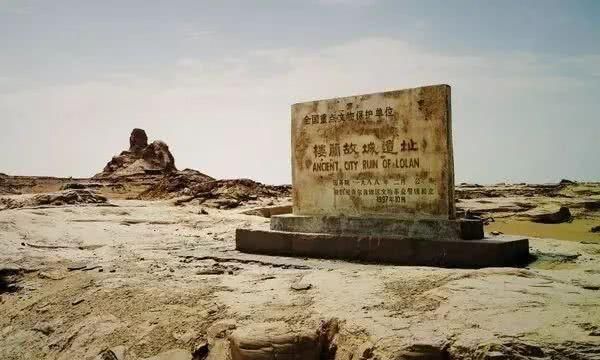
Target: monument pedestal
[[400, 250], [382, 225], [428, 242], [385, 162]]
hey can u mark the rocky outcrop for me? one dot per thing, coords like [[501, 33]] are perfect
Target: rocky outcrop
[[141, 158], [222, 194], [60, 198], [269, 211], [6, 187], [560, 216], [138, 140], [476, 191], [176, 184], [567, 182]]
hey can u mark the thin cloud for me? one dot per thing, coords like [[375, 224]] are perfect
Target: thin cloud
[[231, 118]]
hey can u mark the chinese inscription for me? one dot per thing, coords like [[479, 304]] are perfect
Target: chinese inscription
[[360, 115], [379, 154]]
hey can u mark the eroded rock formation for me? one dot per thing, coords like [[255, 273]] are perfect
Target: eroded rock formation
[[59, 198], [138, 140], [141, 158], [223, 194]]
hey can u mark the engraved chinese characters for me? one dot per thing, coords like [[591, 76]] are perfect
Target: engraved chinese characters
[[373, 180], [386, 154]]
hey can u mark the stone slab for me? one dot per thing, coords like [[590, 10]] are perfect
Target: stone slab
[[269, 211], [384, 226], [387, 153], [488, 252]]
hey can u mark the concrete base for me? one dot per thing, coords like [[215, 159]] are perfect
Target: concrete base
[[385, 226], [488, 252]]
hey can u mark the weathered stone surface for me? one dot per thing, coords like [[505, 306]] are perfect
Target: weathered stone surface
[[379, 154], [175, 354], [159, 158], [499, 251], [116, 353], [273, 341], [269, 211], [471, 229], [548, 305], [383, 226], [59, 198], [562, 215], [138, 140], [211, 192]]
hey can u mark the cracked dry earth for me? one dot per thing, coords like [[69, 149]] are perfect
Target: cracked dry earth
[[147, 280]]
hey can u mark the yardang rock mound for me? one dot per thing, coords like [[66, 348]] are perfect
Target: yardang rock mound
[[141, 158]]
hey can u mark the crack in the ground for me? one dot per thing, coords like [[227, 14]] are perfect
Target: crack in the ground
[[190, 258]]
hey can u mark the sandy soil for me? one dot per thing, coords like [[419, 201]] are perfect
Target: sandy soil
[[150, 280]]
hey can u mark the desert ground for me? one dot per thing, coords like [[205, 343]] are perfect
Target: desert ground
[[140, 265]]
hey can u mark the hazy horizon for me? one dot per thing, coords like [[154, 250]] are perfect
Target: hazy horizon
[[215, 80]]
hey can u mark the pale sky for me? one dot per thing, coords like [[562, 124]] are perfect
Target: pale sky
[[215, 80]]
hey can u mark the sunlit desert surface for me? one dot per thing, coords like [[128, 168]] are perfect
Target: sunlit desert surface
[[131, 270]]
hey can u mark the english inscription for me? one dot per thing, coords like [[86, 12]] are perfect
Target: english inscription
[[385, 154]]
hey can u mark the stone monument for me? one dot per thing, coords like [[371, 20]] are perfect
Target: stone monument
[[373, 180]]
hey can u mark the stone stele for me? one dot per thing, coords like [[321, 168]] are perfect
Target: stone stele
[[373, 180]]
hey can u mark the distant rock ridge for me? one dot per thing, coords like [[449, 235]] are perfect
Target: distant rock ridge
[[141, 158]]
